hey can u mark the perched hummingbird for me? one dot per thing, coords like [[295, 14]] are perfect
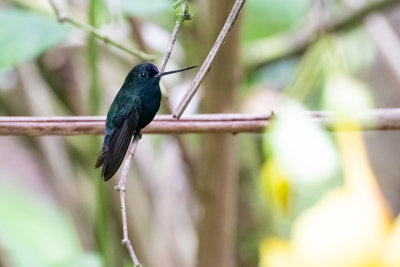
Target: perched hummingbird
[[134, 106]]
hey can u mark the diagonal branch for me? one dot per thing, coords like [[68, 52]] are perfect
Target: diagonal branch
[[121, 188], [295, 43], [209, 59], [65, 17], [182, 17]]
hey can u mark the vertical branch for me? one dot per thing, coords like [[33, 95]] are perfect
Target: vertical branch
[[217, 190], [102, 213], [95, 90], [184, 15], [121, 188]]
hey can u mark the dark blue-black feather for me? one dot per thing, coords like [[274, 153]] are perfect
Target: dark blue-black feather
[[133, 108]]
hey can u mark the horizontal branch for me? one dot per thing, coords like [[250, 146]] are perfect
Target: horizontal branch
[[376, 119]]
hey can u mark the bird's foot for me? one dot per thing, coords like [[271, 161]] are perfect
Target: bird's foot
[[138, 135]]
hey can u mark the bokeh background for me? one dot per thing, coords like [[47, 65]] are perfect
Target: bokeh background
[[297, 195]]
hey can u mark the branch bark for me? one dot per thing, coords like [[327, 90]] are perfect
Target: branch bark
[[375, 119]]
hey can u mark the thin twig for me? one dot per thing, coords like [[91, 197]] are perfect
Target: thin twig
[[374, 119], [178, 3], [184, 15], [141, 44], [297, 41], [209, 59], [121, 184], [65, 17], [121, 188]]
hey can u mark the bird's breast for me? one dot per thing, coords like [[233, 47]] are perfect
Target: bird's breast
[[150, 104]]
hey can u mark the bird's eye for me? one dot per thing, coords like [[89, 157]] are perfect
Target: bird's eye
[[143, 75]]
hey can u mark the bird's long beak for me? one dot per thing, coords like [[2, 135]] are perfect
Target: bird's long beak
[[173, 71]]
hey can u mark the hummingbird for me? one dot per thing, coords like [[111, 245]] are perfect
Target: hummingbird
[[133, 108]]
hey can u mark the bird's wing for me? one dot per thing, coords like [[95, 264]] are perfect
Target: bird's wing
[[119, 145]]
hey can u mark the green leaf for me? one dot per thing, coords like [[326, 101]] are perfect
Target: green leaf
[[25, 35], [263, 18], [85, 260], [347, 96], [35, 232], [358, 57], [98, 13], [301, 148]]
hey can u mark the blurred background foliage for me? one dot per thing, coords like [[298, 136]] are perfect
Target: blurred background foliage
[[297, 195]]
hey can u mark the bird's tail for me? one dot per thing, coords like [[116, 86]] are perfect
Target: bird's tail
[[101, 158], [115, 147], [110, 166], [102, 161]]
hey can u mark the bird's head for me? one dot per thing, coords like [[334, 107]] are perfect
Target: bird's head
[[148, 71]]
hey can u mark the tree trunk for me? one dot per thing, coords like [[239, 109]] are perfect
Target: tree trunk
[[216, 173]]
